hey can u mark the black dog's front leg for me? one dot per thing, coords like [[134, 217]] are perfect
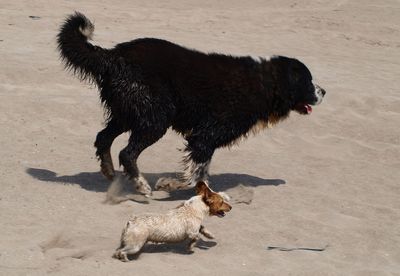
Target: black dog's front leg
[[197, 164]]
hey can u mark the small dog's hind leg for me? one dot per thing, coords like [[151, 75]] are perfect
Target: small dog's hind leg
[[131, 242], [122, 254]]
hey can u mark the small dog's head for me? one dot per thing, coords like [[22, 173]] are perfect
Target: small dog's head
[[213, 200]]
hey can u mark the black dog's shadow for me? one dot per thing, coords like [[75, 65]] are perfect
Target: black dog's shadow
[[94, 181], [225, 182], [91, 181]]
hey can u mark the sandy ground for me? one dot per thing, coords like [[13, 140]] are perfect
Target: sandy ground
[[331, 178]]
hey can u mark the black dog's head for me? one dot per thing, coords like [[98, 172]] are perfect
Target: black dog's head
[[298, 83]]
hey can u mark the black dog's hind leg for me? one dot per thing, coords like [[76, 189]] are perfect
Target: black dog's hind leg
[[138, 141], [103, 144]]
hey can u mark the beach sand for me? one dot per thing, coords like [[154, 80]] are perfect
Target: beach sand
[[327, 179]]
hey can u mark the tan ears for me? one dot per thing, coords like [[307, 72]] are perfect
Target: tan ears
[[202, 188]]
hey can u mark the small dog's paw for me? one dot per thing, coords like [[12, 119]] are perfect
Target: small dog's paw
[[208, 235]]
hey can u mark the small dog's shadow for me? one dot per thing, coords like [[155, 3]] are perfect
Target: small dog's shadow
[[94, 181], [178, 248]]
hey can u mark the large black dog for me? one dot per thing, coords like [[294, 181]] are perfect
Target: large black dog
[[148, 85]]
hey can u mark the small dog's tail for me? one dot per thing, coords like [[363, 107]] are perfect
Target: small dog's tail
[[84, 59]]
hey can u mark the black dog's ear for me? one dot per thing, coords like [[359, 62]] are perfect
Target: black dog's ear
[[294, 71], [289, 67]]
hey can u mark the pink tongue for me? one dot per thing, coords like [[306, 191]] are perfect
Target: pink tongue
[[308, 108]]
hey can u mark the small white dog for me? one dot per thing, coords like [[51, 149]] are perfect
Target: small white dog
[[181, 223]]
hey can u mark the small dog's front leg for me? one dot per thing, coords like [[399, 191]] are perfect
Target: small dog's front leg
[[206, 233]]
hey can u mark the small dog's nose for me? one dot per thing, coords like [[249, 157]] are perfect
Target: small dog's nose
[[323, 92]]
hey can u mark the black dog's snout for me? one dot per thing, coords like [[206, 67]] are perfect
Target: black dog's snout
[[319, 90]]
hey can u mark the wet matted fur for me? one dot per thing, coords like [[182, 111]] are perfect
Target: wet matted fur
[[148, 85]]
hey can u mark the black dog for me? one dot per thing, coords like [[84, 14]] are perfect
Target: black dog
[[148, 85]]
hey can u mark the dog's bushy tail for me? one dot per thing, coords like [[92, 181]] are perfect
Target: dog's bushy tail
[[88, 62]]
